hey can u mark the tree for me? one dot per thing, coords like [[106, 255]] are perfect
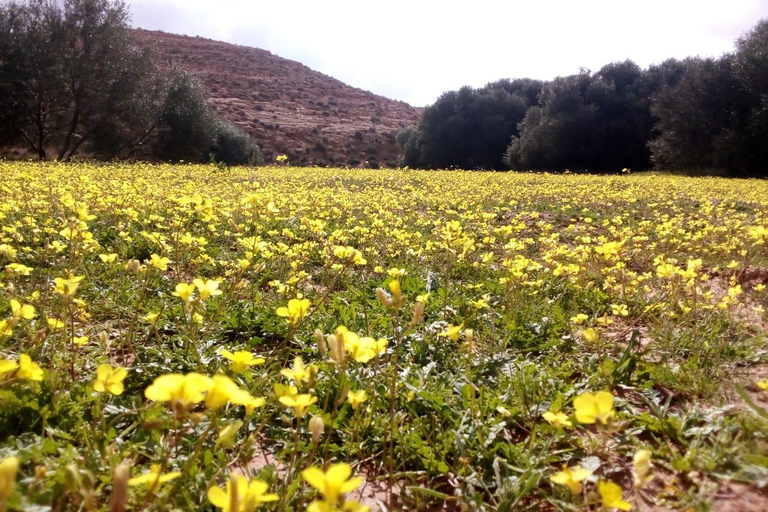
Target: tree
[[598, 121], [66, 70], [71, 77], [469, 128]]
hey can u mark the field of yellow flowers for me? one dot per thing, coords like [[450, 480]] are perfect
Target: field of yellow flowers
[[195, 338]]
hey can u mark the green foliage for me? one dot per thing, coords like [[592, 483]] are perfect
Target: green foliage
[[469, 128], [72, 80]]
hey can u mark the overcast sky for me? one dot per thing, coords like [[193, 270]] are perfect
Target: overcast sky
[[414, 50]]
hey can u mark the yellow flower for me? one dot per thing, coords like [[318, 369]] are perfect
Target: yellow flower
[[589, 335], [226, 436], [18, 268], [8, 469], [67, 287], [154, 478], [453, 332], [28, 370], [223, 391], [282, 390], [619, 309], [641, 463], [423, 298], [299, 373], [55, 323], [355, 398], [6, 328], [26, 311], [362, 350], [241, 360], [295, 311], [109, 379], [184, 291], [209, 288], [763, 384], [252, 403], [8, 365], [334, 483], [108, 258], [571, 477], [246, 495], [557, 420], [594, 407], [181, 390], [160, 263], [298, 403], [348, 506], [349, 254], [610, 495], [80, 340], [151, 317]]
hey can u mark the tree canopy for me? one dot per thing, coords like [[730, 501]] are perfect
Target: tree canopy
[[73, 80], [694, 115]]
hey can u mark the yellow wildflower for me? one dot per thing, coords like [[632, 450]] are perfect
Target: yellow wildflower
[[28, 370], [209, 288], [295, 311], [610, 495], [299, 403], [334, 483], [557, 420], [247, 495], [67, 287], [110, 379], [453, 332], [184, 291], [241, 360], [20, 311], [594, 407], [355, 398], [571, 477], [153, 478], [159, 262], [182, 391]]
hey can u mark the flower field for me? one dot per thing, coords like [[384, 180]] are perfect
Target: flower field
[[196, 338]]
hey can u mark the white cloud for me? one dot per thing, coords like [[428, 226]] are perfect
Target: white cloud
[[414, 50]]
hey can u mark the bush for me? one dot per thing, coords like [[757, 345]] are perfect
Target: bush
[[235, 147]]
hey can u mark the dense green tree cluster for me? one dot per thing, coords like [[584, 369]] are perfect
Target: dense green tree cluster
[[469, 128], [73, 81], [695, 115]]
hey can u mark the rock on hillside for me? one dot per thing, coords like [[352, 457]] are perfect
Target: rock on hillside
[[289, 108]]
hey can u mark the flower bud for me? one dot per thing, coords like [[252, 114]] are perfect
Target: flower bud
[[119, 488], [71, 478], [320, 339], [383, 298], [316, 426], [418, 313], [469, 340], [337, 349], [8, 469], [234, 497]]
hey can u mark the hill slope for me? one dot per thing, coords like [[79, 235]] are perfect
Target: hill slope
[[289, 108]]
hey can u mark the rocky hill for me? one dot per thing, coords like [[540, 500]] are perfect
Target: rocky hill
[[289, 108]]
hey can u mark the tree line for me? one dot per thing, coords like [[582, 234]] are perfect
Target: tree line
[[696, 114], [74, 81]]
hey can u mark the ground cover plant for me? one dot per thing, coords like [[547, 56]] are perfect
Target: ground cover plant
[[201, 338]]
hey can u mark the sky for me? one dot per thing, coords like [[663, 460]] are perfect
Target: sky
[[415, 50]]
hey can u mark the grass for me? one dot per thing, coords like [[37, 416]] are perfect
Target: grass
[[464, 305]]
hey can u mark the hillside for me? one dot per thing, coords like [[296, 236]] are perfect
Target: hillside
[[289, 108]]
